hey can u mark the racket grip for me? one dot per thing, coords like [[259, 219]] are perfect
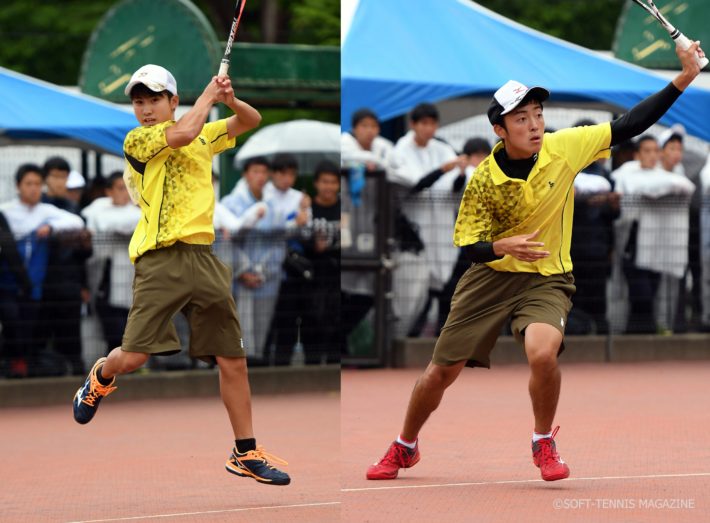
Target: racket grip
[[223, 68], [684, 43]]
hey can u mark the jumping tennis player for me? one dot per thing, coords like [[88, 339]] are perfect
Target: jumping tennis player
[[170, 172], [515, 224]]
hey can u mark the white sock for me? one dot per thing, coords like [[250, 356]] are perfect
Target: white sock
[[406, 443], [538, 437]]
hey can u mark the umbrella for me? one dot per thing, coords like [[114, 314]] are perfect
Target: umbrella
[[310, 141]]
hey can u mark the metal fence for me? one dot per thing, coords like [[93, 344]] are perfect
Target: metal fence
[[77, 306], [644, 268]]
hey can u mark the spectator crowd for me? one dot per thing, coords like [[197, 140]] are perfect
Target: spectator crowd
[[64, 264]]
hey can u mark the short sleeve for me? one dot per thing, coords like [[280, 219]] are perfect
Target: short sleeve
[[143, 144], [218, 136], [474, 221], [580, 146]]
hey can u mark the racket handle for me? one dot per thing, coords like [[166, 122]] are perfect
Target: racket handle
[[684, 43], [223, 67]]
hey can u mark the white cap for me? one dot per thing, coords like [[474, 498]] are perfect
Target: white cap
[[154, 77], [75, 180], [509, 97], [675, 129]]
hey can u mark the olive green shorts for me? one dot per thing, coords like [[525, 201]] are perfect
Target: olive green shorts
[[191, 279], [483, 302]]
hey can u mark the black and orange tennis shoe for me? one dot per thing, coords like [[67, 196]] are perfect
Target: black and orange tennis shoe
[[545, 456], [398, 456], [255, 464], [87, 398]]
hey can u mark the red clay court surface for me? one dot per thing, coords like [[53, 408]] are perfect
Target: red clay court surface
[[636, 437], [163, 460]]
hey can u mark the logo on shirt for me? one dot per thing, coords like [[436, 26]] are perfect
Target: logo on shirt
[[551, 184], [202, 140]]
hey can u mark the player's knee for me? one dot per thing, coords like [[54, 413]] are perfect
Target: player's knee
[[543, 358], [232, 366], [439, 377]]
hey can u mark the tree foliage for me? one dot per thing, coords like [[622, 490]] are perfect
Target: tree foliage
[[589, 24], [47, 39], [316, 22]]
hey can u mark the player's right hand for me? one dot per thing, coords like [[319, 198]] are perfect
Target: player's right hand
[[521, 247], [688, 59]]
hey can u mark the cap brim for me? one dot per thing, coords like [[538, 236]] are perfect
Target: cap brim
[[158, 88], [536, 93]]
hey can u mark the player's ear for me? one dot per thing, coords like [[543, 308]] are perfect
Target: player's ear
[[174, 102], [500, 131]]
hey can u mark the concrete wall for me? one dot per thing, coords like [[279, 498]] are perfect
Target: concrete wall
[[416, 352], [194, 383]]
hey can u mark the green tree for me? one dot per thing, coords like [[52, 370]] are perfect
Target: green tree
[[315, 22], [589, 24], [47, 39]]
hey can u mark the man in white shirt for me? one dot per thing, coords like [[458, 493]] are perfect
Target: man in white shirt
[[652, 232], [112, 221], [426, 167], [291, 206], [32, 222], [361, 150]]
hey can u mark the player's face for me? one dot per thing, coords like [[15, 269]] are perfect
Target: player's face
[[424, 130], [648, 154], [328, 186], [672, 154], [29, 190], [365, 132], [57, 182], [284, 180], [523, 131], [154, 108]]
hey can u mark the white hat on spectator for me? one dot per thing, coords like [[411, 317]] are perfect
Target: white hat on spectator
[[75, 180], [677, 129]]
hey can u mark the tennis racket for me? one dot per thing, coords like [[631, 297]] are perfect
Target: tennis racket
[[679, 38], [224, 64]]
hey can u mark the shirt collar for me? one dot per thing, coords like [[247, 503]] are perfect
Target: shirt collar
[[499, 177]]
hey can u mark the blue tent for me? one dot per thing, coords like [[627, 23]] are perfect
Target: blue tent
[[399, 53], [32, 110]]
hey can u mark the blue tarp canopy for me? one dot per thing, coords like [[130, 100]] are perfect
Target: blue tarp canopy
[[399, 53], [32, 110]]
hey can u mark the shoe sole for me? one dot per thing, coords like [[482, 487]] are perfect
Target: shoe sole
[[247, 474], [396, 472], [554, 477]]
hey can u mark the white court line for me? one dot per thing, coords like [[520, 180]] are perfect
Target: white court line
[[181, 514], [511, 481]]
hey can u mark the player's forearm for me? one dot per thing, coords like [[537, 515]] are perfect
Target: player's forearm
[[187, 128], [481, 252], [644, 114], [245, 117]]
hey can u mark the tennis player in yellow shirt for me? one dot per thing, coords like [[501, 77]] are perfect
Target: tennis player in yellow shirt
[[169, 173], [515, 224]]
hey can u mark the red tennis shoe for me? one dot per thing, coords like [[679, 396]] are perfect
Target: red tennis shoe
[[397, 457], [545, 456]]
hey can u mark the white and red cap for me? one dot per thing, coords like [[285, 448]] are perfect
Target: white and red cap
[[154, 77], [510, 96]]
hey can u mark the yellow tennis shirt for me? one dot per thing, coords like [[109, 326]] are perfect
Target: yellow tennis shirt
[[174, 185], [495, 206]]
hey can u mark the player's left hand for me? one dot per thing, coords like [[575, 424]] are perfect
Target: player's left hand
[[225, 94]]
